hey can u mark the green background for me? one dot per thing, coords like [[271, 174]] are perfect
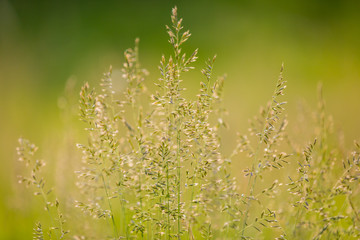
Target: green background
[[45, 43]]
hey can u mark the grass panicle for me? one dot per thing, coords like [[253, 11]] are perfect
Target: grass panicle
[[56, 221]]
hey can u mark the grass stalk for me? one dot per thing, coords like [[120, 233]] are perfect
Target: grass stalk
[[178, 185], [168, 227], [110, 206], [255, 169], [47, 207]]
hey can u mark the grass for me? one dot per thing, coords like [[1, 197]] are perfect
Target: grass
[[153, 166]]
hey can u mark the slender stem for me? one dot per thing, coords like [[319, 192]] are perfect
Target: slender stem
[[110, 207], [136, 119], [141, 203], [353, 208], [159, 230], [60, 222], [256, 167], [48, 209], [168, 199], [123, 225], [248, 205], [298, 214], [179, 183], [251, 191], [178, 127]]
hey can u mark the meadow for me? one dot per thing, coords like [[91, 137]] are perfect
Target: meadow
[[149, 159]]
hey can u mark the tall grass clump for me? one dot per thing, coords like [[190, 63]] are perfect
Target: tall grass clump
[[158, 164], [153, 168]]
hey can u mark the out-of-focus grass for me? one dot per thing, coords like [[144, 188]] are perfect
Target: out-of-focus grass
[[42, 44]]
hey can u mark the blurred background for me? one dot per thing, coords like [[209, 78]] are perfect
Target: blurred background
[[48, 49]]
